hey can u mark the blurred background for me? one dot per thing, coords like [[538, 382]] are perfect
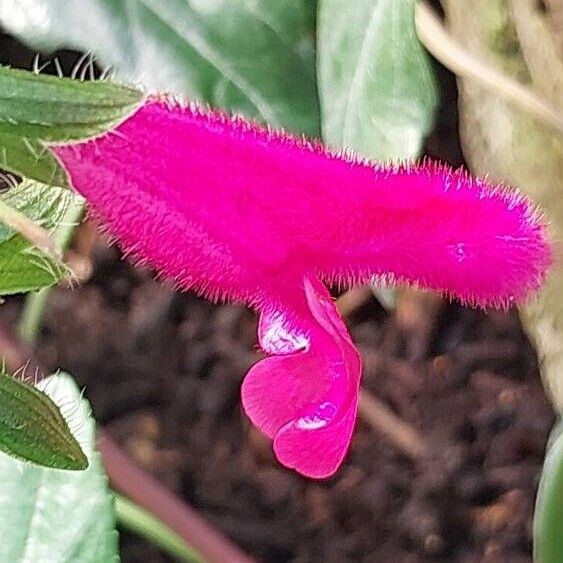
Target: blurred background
[[445, 463]]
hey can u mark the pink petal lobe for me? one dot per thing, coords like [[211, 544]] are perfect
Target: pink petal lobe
[[306, 397]]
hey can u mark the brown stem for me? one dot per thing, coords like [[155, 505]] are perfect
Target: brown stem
[[434, 36], [130, 480], [400, 434], [350, 301]]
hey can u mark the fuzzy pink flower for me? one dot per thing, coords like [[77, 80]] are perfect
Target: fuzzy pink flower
[[235, 211]]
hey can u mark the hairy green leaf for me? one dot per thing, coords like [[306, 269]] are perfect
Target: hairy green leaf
[[251, 56], [53, 515], [23, 267], [60, 109], [35, 108], [32, 427], [376, 84]]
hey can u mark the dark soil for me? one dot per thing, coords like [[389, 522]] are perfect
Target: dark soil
[[162, 371]]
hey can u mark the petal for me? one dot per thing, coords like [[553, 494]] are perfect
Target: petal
[[316, 453], [306, 397]]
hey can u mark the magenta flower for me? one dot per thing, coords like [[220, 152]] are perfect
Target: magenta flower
[[235, 211]]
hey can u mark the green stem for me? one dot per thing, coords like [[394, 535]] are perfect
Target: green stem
[[548, 517], [35, 303], [138, 520]]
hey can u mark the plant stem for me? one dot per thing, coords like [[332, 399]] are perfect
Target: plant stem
[[33, 232], [131, 481], [548, 514], [143, 523], [35, 303], [456, 58]]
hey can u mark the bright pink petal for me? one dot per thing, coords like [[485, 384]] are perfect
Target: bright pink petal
[[306, 399], [237, 211]]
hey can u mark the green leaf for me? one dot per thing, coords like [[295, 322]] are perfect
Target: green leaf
[[54, 515], [252, 56], [376, 84], [548, 517], [39, 107], [29, 158], [23, 267], [32, 427], [60, 109]]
